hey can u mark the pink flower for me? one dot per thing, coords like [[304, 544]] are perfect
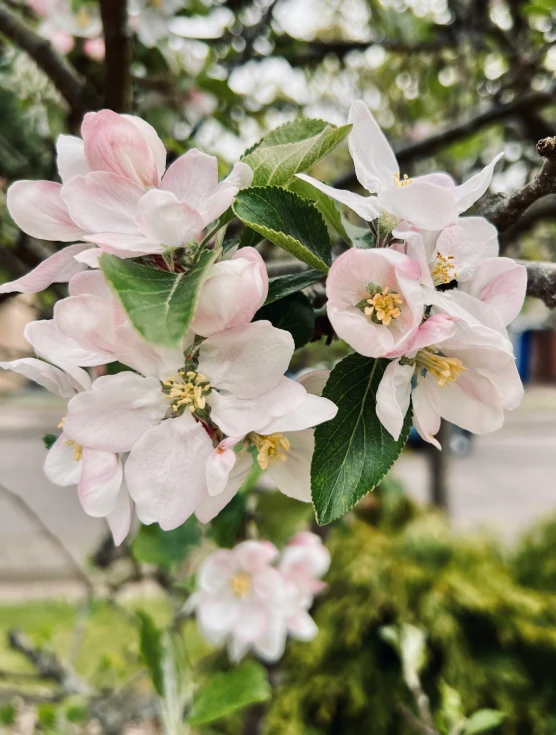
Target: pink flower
[[375, 300], [97, 474], [233, 292], [501, 283], [304, 561], [60, 24], [429, 202], [284, 444]]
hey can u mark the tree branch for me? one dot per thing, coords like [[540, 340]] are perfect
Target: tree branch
[[71, 85], [541, 281], [118, 93]]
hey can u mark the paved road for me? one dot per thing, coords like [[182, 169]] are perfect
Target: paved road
[[507, 482]]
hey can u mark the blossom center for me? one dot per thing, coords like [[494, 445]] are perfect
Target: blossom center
[[406, 181], [382, 306], [271, 448], [445, 369], [240, 584], [443, 270], [188, 389], [77, 448], [83, 18]]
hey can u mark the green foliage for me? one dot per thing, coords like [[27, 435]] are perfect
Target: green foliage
[[293, 313], [228, 692], [285, 285], [291, 149], [8, 713], [326, 206], [160, 305], [152, 650], [484, 720], [49, 440], [225, 527], [354, 451], [152, 545], [490, 640], [287, 220]]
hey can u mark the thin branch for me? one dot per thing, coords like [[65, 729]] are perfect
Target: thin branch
[[542, 211], [71, 85], [414, 723], [17, 500], [118, 93], [503, 212], [541, 281]]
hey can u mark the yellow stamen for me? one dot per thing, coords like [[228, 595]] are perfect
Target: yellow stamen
[[83, 18], [77, 450], [384, 306], [443, 270], [240, 584], [402, 182], [445, 369], [188, 389], [271, 448]]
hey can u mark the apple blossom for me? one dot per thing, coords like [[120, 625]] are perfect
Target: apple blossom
[[60, 25], [429, 202]]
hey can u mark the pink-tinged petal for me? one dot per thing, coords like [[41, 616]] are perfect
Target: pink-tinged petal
[[211, 506], [162, 218], [100, 483], [50, 377], [252, 556], [39, 210], [231, 295], [424, 205], [220, 464], [293, 476], [306, 552], [58, 268], [103, 202], [119, 521], [392, 398], [89, 321], [90, 282], [238, 416], [193, 178], [240, 177], [123, 245], [89, 257], [271, 646], [247, 360], [367, 208], [52, 345], [314, 381], [165, 471], [425, 419], [157, 362], [116, 412], [438, 179], [60, 466], [216, 570], [116, 145], [434, 330], [95, 49], [500, 282], [418, 247], [71, 157], [468, 242], [313, 411], [473, 189], [374, 160], [268, 583], [153, 141], [302, 626]]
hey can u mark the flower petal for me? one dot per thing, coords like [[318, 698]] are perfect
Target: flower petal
[[192, 178], [374, 160], [90, 321], [314, 381], [39, 210], [153, 141], [367, 208], [50, 377], [473, 189], [211, 506], [424, 205], [313, 411], [100, 483], [500, 282], [58, 268], [393, 395], [293, 477], [468, 242], [425, 419], [71, 161], [240, 177], [162, 218], [60, 467], [119, 520], [271, 646], [253, 556], [302, 626]]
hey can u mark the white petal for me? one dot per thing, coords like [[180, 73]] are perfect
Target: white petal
[[211, 506], [71, 157], [100, 483], [58, 268], [193, 178], [474, 188], [502, 283], [425, 418], [271, 646], [240, 177], [392, 398], [162, 218], [50, 377], [90, 321], [302, 626], [216, 570], [313, 411], [38, 209], [119, 520], [424, 205], [165, 471], [54, 346], [367, 208], [60, 467], [374, 160], [469, 241], [293, 477], [149, 360], [314, 381]]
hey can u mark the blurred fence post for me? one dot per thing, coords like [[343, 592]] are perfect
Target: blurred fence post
[[439, 466]]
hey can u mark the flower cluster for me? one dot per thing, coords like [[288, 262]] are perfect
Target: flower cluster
[[181, 425], [61, 26], [253, 597], [433, 296]]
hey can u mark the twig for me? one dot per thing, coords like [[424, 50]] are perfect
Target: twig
[[48, 534], [71, 85], [118, 55], [414, 723], [541, 281], [504, 212]]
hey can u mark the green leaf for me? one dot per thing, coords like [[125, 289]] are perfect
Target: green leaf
[[283, 286], [152, 545], [293, 313], [152, 649], [228, 692], [354, 451], [49, 440], [484, 720], [326, 206], [249, 238], [286, 220], [292, 148], [160, 305]]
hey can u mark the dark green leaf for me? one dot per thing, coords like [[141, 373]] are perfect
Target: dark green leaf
[[326, 206], [292, 148], [152, 545], [293, 313], [160, 305], [249, 238], [354, 451], [287, 220], [49, 440], [286, 285], [483, 720], [228, 692], [152, 649]]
